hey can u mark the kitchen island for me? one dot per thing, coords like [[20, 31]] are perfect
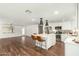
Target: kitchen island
[[49, 41]]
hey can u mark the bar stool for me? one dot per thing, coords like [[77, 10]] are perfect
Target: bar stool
[[41, 40], [34, 37]]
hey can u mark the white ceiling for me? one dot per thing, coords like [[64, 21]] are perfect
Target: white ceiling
[[53, 12]]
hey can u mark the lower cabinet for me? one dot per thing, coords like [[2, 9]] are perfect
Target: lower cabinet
[[71, 49]]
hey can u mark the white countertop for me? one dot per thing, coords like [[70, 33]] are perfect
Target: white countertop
[[71, 48], [69, 40]]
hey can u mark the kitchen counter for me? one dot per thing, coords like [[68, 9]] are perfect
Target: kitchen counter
[[71, 48], [70, 40]]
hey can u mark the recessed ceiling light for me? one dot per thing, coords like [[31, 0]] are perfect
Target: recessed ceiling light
[[33, 19], [56, 12]]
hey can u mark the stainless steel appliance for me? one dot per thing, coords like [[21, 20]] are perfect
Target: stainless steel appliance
[[58, 33]]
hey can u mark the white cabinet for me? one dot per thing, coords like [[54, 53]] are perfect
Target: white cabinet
[[31, 29], [71, 48], [63, 37]]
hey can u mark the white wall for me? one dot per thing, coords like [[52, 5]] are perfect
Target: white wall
[[16, 28], [55, 24], [20, 29], [32, 29], [65, 25]]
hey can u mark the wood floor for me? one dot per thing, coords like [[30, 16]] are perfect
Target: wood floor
[[17, 46]]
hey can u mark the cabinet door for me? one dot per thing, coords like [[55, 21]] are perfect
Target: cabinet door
[[71, 49]]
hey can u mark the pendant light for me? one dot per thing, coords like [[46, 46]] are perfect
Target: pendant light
[[46, 23], [41, 21]]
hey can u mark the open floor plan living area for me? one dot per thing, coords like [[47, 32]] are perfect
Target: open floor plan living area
[[39, 29]]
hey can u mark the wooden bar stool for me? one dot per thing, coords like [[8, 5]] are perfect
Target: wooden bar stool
[[41, 40], [34, 37]]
